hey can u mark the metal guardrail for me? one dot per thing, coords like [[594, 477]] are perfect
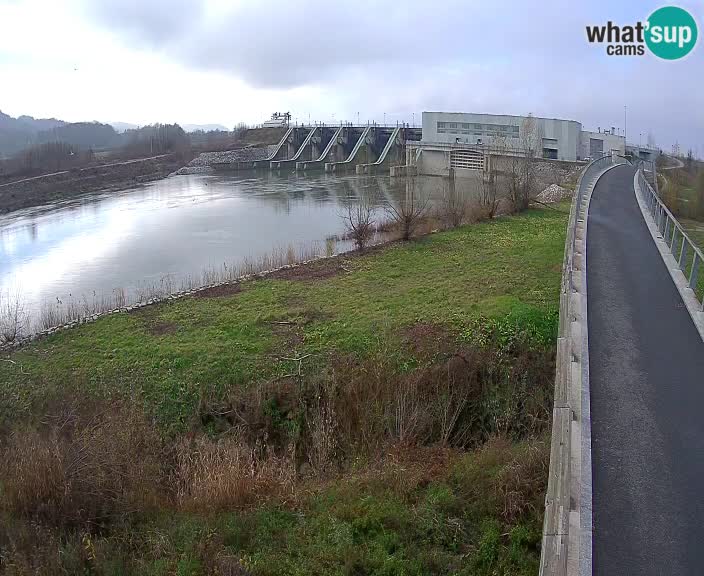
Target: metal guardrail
[[688, 256], [566, 544]]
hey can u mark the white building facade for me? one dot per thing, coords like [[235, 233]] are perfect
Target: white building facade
[[550, 138]]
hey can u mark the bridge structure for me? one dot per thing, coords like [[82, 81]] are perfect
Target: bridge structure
[[626, 461], [367, 149]]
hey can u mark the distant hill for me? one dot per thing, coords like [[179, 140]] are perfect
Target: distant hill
[[205, 127], [82, 135], [40, 124], [16, 134], [123, 126]]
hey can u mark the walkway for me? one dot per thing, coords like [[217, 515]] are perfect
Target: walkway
[[646, 363]]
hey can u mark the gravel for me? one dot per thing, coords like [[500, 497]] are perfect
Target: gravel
[[203, 164], [554, 193]]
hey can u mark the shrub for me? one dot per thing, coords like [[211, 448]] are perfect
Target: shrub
[[84, 466]]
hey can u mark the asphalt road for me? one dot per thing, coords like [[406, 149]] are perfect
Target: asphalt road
[[646, 363]]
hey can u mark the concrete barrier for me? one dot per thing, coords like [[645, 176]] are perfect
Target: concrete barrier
[[567, 526]]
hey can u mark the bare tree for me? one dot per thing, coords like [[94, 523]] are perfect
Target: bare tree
[[522, 178], [489, 184], [12, 318], [454, 205], [359, 220], [488, 194], [409, 209]]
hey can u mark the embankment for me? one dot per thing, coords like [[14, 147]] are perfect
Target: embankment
[[41, 190], [385, 413]]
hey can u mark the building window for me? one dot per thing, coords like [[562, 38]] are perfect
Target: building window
[[550, 153], [505, 130]]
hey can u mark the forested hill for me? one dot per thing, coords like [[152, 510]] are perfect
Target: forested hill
[[17, 134]]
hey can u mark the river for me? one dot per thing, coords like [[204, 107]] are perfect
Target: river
[[116, 246]]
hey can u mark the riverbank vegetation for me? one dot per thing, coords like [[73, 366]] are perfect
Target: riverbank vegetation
[[384, 412]]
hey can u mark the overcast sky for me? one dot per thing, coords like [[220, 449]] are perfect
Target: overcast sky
[[230, 61]]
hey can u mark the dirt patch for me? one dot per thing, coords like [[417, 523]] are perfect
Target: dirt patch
[[426, 340], [218, 291], [318, 270], [290, 335], [161, 328], [152, 324]]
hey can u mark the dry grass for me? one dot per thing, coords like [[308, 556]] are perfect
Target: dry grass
[[13, 319], [88, 471], [357, 409], [84, 465], [224, 474], [506, 478]]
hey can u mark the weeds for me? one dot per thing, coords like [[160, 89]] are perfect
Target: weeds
[[13, 318], [455, 205], [359, 221], [83, 466], [409, 209]]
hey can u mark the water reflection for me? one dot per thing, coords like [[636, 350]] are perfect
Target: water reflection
[[174, 228]]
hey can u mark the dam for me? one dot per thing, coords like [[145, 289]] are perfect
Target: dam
[[343, 149]]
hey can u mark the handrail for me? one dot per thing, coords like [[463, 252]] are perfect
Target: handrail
[[686, 253], [566, 526]]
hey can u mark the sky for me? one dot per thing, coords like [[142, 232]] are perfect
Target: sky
[[232, 61]]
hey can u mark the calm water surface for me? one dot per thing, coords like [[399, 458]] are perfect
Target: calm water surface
[[174, 228]]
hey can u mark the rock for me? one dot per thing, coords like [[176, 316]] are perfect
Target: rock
[[203, 163], [554, 193]]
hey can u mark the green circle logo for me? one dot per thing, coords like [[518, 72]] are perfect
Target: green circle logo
[[670, 32]]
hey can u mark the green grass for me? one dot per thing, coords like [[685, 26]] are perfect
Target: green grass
[[695, 231], [409, 510], [505, 272]]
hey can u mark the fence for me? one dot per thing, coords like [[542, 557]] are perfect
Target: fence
[[688, 256], [566, 547]]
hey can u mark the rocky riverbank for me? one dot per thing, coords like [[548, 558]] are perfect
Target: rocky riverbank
[[207, 162]]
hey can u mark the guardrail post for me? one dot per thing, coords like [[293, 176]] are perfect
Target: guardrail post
[[683, 256], [667, 228], [695, 272]]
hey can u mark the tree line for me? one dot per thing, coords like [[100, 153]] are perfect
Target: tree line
[[75, 145]]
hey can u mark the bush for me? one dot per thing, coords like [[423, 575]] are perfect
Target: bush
[[85, 466]]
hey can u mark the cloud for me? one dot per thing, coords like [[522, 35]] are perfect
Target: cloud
[[153, 22], [237, 60], [282, 44]]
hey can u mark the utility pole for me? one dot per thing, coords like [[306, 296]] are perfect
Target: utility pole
[[384, 118], [414, 119], [625, 125]]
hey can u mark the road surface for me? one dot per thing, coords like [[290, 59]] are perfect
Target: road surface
[[646, 362]]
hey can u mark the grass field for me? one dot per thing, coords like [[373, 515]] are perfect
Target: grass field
[[385, 413]]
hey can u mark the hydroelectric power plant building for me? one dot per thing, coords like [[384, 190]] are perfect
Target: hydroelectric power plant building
[[464, 144], [466, 141]]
